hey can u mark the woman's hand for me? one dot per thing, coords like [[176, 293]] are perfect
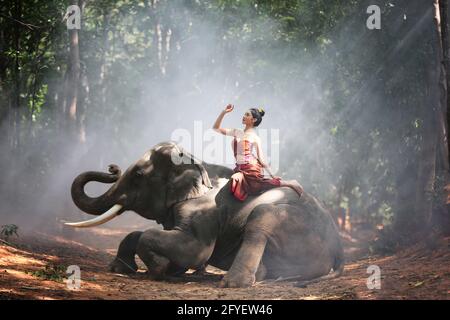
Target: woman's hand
[[219, 119], [229, 108]]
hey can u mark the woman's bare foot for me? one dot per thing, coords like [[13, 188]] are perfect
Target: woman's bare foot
[[296, 186]]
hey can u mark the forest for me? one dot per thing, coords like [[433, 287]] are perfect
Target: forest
[[357, 106]]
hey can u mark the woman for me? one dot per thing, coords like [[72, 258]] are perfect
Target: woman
[[248, 178]]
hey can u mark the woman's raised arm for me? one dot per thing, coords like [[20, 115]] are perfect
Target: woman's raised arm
[[219, 119]]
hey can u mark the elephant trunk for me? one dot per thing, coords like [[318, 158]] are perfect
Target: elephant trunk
[[98, 205]]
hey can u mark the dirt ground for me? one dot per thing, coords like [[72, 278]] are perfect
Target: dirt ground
[[418, 272]]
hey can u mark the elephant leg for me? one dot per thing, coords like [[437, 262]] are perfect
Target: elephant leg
[[157, 265], [166, 252], [247, 265], [125, 260], [261, 272]]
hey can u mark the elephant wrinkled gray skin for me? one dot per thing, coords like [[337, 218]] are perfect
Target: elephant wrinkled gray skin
[[268, 236]]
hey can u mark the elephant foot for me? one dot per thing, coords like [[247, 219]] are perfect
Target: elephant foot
[[176, 271], [158, 276], [124, 267], [201, 271], [237, 280]]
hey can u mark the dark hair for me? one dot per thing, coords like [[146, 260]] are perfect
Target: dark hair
[[257, 114]]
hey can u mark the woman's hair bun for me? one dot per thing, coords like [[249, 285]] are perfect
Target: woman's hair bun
[[261, 112]]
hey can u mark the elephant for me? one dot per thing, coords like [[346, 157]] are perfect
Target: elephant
[[272, 235]]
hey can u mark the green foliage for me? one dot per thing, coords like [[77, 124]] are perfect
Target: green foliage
[[51, 272]]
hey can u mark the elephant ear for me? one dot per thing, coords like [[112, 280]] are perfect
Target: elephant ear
[[186, 181]]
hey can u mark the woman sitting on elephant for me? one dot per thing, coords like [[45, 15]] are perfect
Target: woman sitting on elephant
[[248, 178]]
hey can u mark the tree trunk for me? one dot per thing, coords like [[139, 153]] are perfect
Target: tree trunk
[[3, 68], [74, 70], [15, 100], [443, 10], [442, 212], [442, 60], [102, 82], [427, 161], [72, 116], [14, 103]]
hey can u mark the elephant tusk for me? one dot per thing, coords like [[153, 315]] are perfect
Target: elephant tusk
[[108, 215]]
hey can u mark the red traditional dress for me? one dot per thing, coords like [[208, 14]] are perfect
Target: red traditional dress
[[248, 178]]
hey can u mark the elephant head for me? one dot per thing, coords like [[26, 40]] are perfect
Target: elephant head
[[163, 176]]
